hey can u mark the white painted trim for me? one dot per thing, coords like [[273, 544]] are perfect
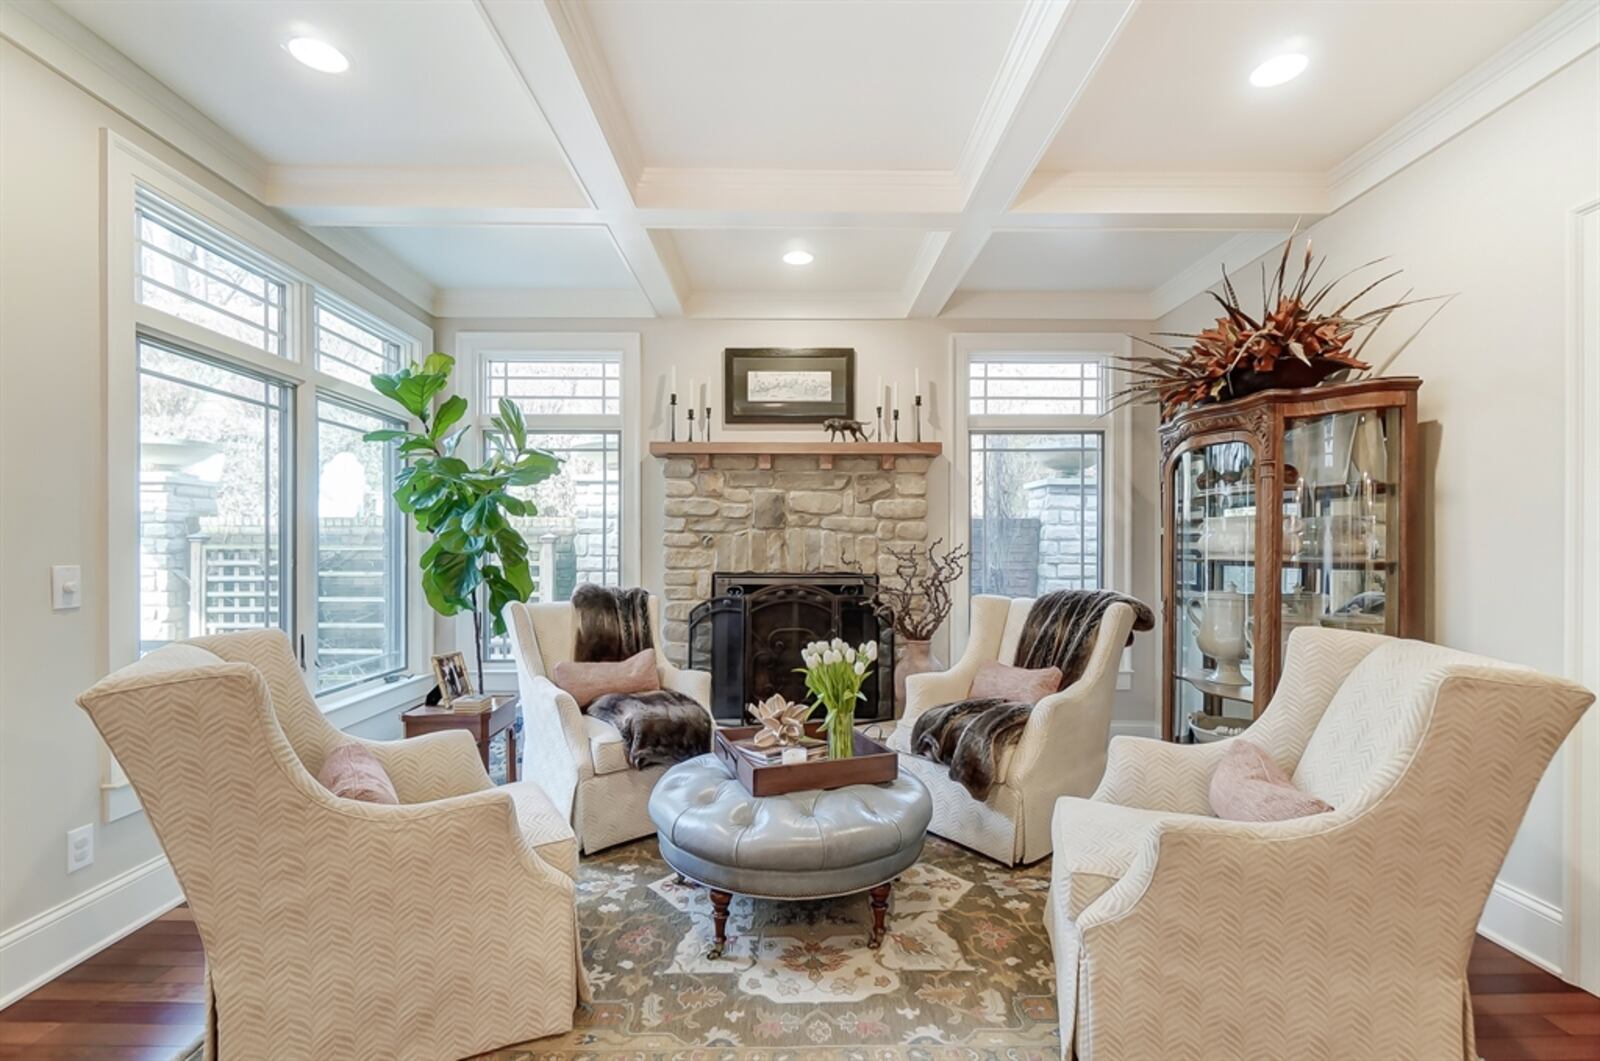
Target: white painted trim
[[1117, 487], [862, 194], [1049, 305], [1233, 256], [837, 305], [47, 944], [1562, 37], [1582, 649], [66, 46], [1218, 195], [1525, 925], [1123, 727], [525, 302]]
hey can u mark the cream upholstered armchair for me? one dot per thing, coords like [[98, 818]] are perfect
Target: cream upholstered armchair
[[1062, 750], [440, 927], [581, 761], [1344, 934]]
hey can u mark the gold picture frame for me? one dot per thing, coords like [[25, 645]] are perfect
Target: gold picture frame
[[451, 674]]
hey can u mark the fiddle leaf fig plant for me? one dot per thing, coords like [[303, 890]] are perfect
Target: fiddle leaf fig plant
[[467, 510]]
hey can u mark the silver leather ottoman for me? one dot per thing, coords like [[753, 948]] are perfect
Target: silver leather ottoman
[[804, 845]]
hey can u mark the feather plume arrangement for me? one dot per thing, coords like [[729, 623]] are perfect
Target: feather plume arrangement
[[1297, 340]]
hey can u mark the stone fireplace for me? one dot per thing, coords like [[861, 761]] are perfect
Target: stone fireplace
[[800, 513]]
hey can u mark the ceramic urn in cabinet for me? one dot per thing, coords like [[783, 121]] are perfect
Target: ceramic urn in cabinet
[[1284, 509]]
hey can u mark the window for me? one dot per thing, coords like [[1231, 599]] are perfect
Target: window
[[259, 502], [191, 276], [360, 550], [349, 350], [212, 517], [573, 402], [1035, 441]]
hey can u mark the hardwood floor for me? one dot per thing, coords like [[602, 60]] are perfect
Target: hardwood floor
[[141, 999]]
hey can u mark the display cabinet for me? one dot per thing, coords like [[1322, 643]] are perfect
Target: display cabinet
[[1283, 509]]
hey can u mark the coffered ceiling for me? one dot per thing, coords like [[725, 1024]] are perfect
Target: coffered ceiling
[[614, 158]]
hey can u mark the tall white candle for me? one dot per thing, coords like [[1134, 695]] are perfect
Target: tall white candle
[[674, 384], [877, 395], [691, 392], [894, 397], [916, 382]]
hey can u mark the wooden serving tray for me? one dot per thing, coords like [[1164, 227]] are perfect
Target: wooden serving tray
[[872, 764]]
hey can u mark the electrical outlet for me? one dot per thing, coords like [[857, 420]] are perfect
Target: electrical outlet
[[80, 847]]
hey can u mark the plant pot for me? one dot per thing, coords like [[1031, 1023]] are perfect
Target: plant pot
[[911, 657], [1287, 374]]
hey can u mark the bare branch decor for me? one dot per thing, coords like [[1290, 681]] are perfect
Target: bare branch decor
[[917, 600]]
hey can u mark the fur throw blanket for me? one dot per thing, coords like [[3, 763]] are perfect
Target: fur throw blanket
[[610, 624], [971, 736], [661, 726]]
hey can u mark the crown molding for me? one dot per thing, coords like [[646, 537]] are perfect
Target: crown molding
[[1561, 38], [362, 250], [528, 303], [68, 47], [424, 188], [839, 305], [845, 192], [1247, 194], [1232, 256], [1049, 305]]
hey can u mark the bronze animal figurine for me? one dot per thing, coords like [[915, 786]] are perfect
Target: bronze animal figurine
[[850, 429]]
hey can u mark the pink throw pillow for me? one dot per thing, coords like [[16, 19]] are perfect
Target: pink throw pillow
[[1017, 684], [353, 772], [1247, 786], [588, 682]]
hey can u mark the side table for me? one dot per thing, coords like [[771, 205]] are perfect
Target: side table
[[484, 726]]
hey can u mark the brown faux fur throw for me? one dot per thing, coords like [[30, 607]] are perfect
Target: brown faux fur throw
[[611, 624], [971, 735], [662, 726]]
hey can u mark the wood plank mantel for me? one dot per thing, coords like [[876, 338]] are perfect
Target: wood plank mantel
[[825, 452]]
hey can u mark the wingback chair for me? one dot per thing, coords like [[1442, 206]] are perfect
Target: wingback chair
[[1343, 934], [1062, 751], [440, 927], [581, 761]]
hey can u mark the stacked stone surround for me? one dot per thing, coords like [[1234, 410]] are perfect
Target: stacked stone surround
[[795, 516]]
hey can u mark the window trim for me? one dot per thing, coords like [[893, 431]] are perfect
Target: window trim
[[1116, 501], [128, 169], [473, 347]]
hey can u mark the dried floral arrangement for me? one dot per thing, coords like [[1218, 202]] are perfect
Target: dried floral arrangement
[[1294, 343], [917, 602]]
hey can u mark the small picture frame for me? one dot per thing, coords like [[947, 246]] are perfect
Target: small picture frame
[[455, 681], [771, 385]]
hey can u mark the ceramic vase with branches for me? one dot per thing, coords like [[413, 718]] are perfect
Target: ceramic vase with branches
[[914, 596]]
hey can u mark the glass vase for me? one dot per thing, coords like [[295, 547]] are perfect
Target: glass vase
[[841, 733]]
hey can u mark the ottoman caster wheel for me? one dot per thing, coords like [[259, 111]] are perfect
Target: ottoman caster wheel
[[714, 953]]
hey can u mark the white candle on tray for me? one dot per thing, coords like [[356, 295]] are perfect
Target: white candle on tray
[[793, 756]]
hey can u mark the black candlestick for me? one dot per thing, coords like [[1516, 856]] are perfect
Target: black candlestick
[[916, 411], [878, 433], [897, 425], [706, 424], [690, 415], [672, 418]]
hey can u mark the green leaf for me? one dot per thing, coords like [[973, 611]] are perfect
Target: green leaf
[[438, 364], [516, 427], [452, 410], [384, 436]]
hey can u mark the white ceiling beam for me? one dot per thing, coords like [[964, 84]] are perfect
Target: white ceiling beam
[[544, 48], [863, 192], [1223, 195], [1057, 52], [425, 195], [545, 302], [1049, 305]]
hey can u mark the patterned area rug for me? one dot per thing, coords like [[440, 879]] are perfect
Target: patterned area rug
[[965, 971]]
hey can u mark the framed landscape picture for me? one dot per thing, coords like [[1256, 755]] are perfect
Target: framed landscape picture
[[768, 385]]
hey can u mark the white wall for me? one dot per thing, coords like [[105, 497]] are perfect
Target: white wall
[[892, 349], [52, 511], [1487, 216]]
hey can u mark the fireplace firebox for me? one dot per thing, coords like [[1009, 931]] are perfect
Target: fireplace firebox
[[750, 633]]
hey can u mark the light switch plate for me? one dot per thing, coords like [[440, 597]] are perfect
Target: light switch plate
[[66, 587]]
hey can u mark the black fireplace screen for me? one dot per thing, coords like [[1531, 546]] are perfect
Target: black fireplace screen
[[750, 633]]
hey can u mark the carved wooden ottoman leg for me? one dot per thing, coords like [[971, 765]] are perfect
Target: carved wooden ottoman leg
[[880, 907], [719, 914]]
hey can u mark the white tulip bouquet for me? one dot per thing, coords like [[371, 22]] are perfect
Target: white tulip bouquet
[[835, 673]]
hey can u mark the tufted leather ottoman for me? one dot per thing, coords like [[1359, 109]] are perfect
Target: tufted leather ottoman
[[804, 845]]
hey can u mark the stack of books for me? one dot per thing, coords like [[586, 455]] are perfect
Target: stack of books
[[815, 749], [472, 705]]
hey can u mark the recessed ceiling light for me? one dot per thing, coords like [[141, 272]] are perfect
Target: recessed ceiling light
[[798, 258], [319, 55], [1278, 69]]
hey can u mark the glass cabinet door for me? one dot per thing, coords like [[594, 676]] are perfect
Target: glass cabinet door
[[1214, 567], [1341, 522]]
